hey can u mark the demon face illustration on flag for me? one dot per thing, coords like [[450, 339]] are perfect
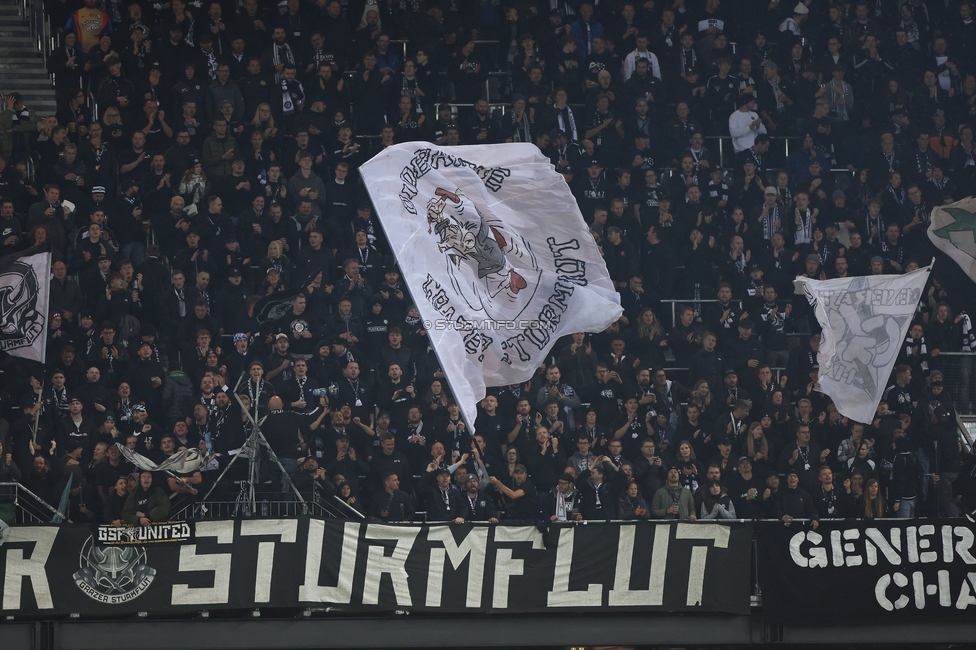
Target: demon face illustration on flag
[[493, 269]]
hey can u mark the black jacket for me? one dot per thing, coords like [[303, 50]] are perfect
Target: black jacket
[[796, 503], [440, 505], [604, 507], [391, 508], [477, 508]]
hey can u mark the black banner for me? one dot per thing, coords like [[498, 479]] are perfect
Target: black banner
[[231, 564], [890, 570]]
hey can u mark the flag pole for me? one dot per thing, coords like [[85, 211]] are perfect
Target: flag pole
[[468, 425], [37, 416]]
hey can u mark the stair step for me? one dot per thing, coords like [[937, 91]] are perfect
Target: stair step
[[19, 53], [13, 77], [21, 66], [28, 85], [24, 67], [11, 41]]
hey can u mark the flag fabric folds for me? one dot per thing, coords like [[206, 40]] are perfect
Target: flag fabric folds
[[25, 287], [497, 255], [864, 320], [952, 229], [182, 462]]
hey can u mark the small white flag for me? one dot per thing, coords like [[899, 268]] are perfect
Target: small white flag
[[496, 253], [864, 321], [952, 229], [25, 287], [182, 462]]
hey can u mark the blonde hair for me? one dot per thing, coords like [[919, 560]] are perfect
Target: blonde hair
[[112, 111], [277, 244], [751, 444], [257, 119]]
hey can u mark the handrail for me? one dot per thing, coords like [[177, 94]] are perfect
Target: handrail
[[349, 507], [19, 487], [32, 12]]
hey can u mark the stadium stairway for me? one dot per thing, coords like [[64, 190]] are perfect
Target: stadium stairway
[[22, 66]]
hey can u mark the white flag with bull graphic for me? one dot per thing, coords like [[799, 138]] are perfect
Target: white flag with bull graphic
[[495, 250], [864, 320]]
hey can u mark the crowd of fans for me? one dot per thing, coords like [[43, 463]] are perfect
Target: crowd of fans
[[221, 174]]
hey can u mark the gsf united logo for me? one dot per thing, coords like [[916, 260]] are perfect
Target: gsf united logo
[[113, 575]]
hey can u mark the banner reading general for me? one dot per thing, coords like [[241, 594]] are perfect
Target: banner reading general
[[493, 246], [893, 570], [468, 568]]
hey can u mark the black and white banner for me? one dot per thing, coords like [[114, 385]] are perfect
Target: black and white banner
[[879, 571], [25, 287], [491, 242], [687, 567]]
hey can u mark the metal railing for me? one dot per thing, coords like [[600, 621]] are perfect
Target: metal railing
[[230, 509], [318, 506], [959, 370], [32, 12], [28, 507]]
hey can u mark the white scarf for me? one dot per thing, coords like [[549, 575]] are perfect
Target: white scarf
[[567, 123], [968, 337], [560, 506], [276, 57], [522, 131], [287, 105]]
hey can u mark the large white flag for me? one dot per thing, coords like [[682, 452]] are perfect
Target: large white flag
[[25, 287], [864, 322], [952, 228], [496, 253]]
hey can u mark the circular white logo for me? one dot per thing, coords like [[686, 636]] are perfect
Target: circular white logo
[[113, 574]]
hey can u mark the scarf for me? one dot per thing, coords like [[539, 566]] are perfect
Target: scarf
[[968, 337], [560, 506], [922, 351], [522, 132], [211, 60], [688, 62], [410, 87], [181, 302], [287, 105], [567, 122], [839, 109], [276, 57], [898, 195], [804, 229], [769, 222]]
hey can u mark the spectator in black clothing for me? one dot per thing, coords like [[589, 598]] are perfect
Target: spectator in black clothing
[[442, 499], [476, 506], [392, 505], [795, 503], [599, 488], [803, 457], [827, 498], [519, 496]]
